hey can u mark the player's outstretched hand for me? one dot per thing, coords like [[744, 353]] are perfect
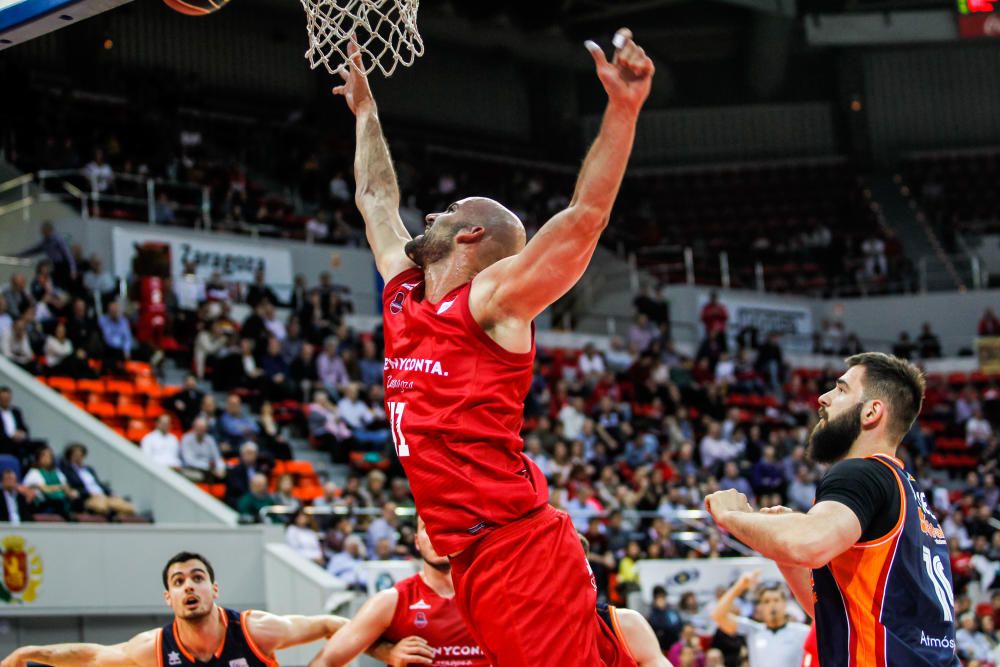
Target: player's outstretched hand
[[628, 77], [355, 88], [411, 650], [14, 660]]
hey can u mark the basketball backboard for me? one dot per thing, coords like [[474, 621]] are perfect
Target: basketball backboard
[[21, 20]]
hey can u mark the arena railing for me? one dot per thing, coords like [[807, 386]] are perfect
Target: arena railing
[[697, 522]]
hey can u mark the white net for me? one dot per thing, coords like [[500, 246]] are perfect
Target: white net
[[386, 32]]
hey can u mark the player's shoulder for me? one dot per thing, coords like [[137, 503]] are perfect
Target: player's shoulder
[[141, 649], [858, 468]]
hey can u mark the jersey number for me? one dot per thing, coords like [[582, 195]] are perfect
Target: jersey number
[[396, 423], [942, 588]]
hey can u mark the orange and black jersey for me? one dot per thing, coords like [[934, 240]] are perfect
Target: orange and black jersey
[[238, 648], [887, 601]]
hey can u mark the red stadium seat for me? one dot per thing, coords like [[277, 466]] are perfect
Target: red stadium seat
[[62, 384], [91, 386]]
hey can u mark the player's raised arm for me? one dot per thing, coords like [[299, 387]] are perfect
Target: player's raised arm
[[140, 651], [377, 194], [525, 284]]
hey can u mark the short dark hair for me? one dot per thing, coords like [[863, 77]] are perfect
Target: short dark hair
[[71, 447], [659, 590], [897, 382], [184, 557], [771, 587]]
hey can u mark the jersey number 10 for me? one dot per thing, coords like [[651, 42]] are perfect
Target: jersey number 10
[[396, 424], [942, 587]]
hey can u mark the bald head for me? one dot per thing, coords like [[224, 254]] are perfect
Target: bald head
[[482, 227]]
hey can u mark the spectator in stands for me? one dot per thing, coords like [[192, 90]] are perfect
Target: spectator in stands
[[345, 564], [360, 417], [292, 344], [316, 324], [238, 476], [772, 639], [17, 296], [904, 348], [99, 173], [94, 495], [15, 508], [58, 253], [235, 426], [331, 369], [16, 346], [241, 370], [186, 403], [200, 456], [714, 319], [330, 498], [715, 449], [768, 475], [255, 499], [327, 428], [664, 619], [259, 291], [165, 210], [371, 364], [15, 438], [284, 492], [385, 527], [972, 643], [989, 324], [209, 347], [771, 363], [99, 282], [687, 651], [82, 328], [6, 321], [802, 489], [61, 359], [591, 362], [978, 431], [928, 343], [117, 335], [278, 384], [301, 536], [161, 446], [53, 492], [642, 332], [731, 479], [271, 436]]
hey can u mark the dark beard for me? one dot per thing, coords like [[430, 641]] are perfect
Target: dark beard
[[443, 568], [425, 250], [831, 442]]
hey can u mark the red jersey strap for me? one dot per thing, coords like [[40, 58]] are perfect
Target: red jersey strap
[[409, 275]]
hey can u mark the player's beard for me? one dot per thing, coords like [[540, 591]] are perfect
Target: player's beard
[[428, 248], [830, 441], [444, 567]]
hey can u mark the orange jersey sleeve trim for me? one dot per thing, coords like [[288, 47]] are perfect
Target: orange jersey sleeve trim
[[613, 613], [891, 535], [252, 644]]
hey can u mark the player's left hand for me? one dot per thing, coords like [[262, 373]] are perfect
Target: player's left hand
[[720, 503], [777, 509], [411, 650], [629, 76]]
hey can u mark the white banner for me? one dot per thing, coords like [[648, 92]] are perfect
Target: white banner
[[235, 260], [703, 577], [793, 322], [383, 574]]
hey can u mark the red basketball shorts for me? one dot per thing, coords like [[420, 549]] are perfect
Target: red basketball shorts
[[528, 597]]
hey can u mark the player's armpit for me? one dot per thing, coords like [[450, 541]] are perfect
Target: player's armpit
[[641, 639]]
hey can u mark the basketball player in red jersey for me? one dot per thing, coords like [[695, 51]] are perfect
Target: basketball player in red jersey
[[458, 305], [418, 614]]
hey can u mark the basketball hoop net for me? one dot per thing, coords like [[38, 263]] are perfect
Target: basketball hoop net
[[386, 32]]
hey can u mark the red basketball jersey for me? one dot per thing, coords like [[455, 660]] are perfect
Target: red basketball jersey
[[455, 402], [422, 612]]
